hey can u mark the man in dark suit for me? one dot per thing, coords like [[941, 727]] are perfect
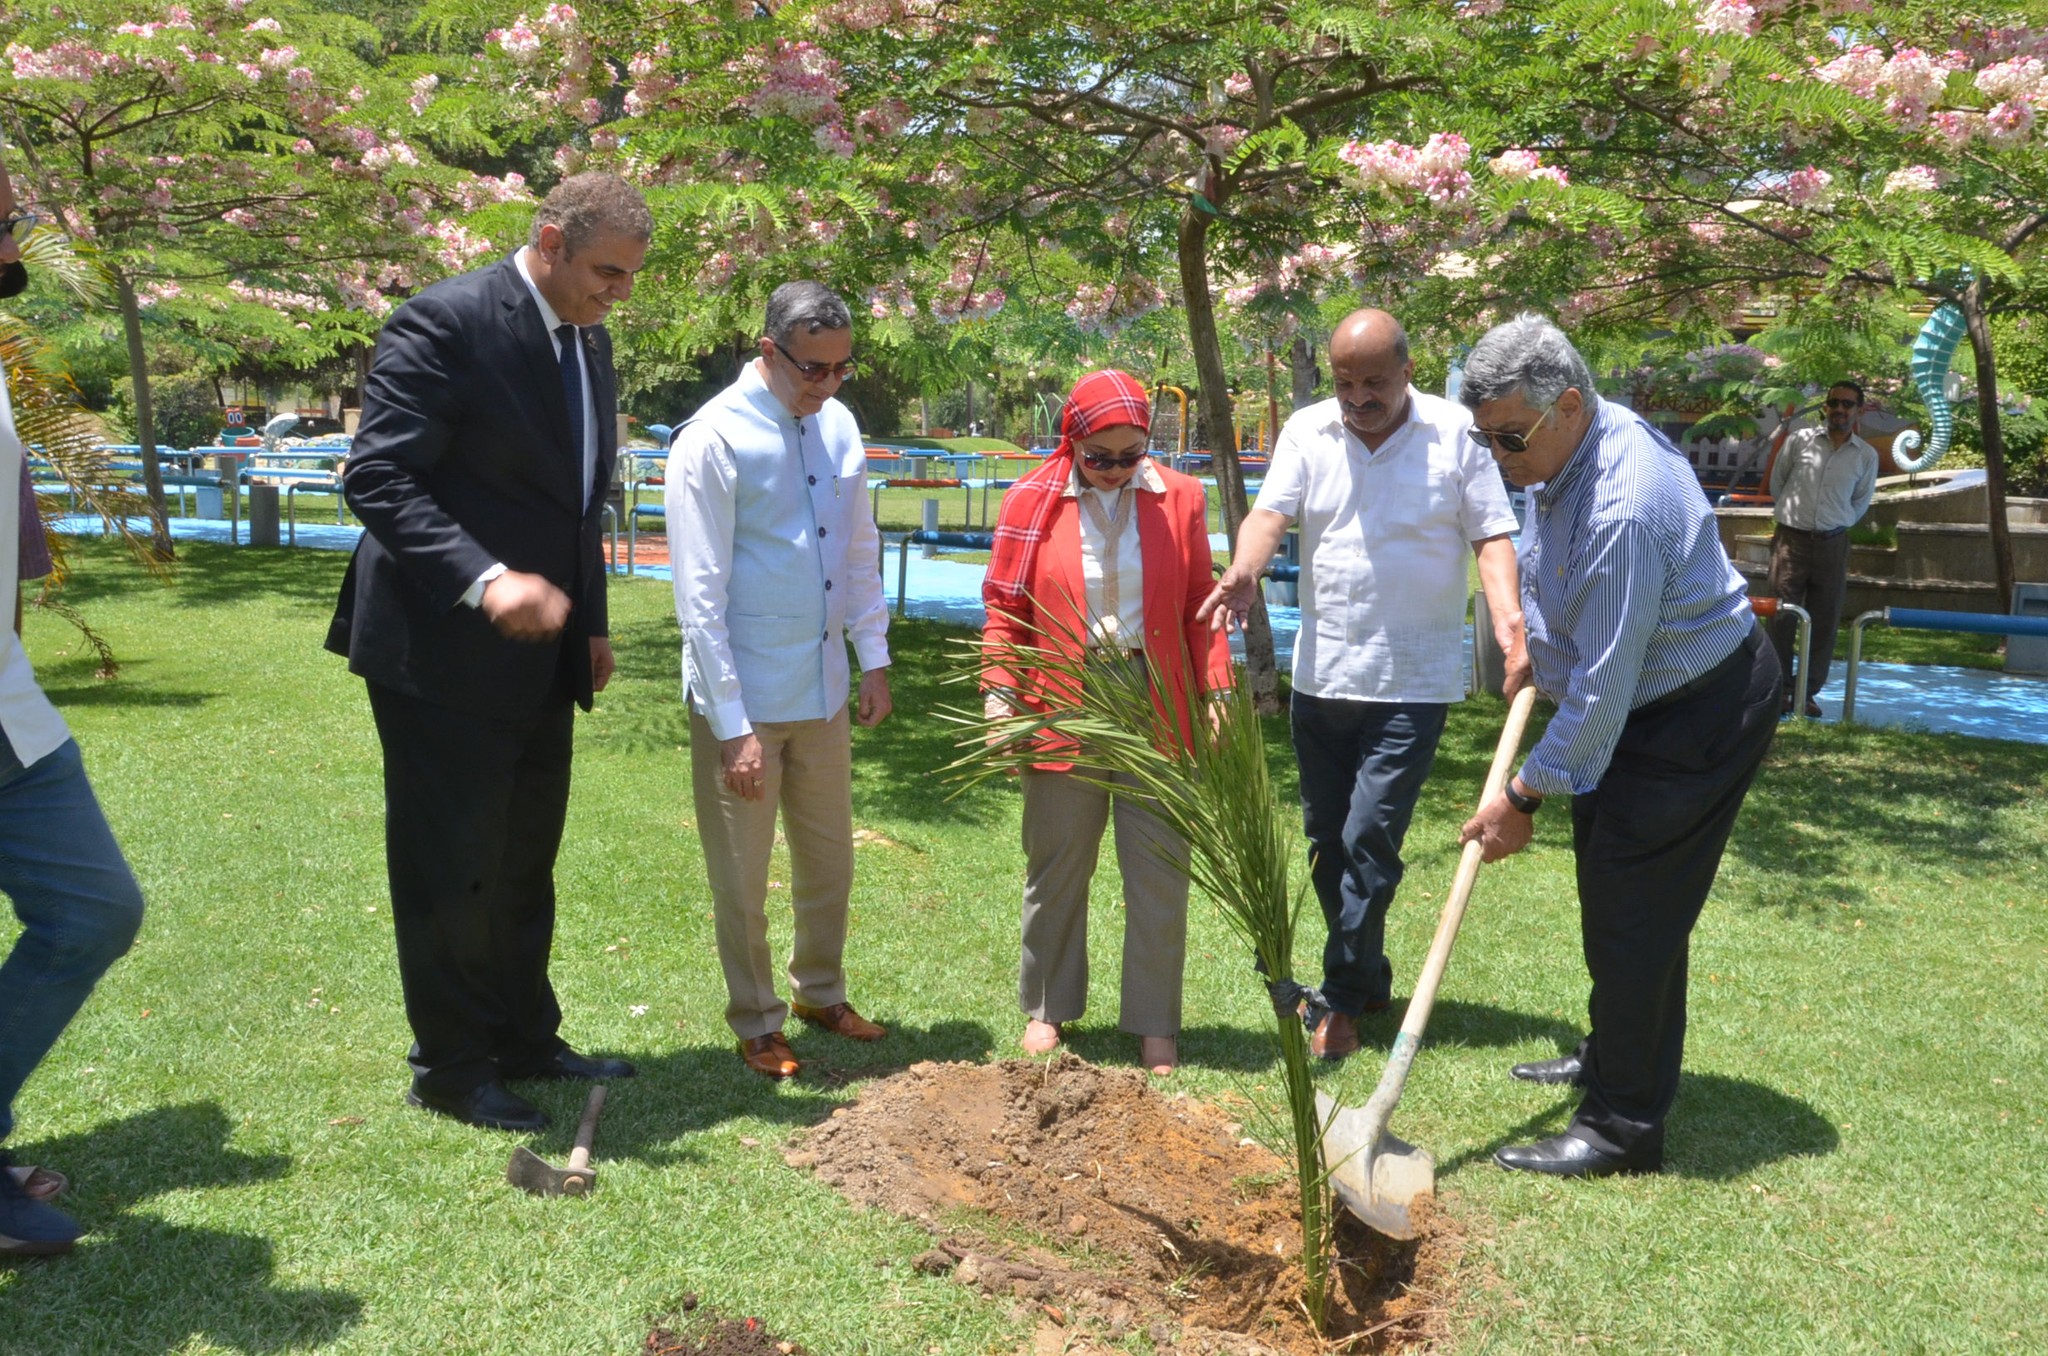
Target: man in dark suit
[[475, 610]]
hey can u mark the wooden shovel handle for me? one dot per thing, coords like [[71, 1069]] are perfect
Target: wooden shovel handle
[[586, 1130], [1432, 973]]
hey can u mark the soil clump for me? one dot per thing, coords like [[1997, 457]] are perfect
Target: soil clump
[[700, 1332], [1087, 1196]]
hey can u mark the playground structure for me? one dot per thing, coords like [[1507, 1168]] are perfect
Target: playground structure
[[1972, 623]]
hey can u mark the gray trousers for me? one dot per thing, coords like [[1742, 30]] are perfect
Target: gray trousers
[[1064, 816], [1812, 570]]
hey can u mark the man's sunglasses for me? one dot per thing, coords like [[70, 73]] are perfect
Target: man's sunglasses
[[1510, 443], [1095, 461], [19, 227], [1844, 404], [845, 371]]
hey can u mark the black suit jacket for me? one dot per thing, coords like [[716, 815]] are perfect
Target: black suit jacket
[[463, 459]]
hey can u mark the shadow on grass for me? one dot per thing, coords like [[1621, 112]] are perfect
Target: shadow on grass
[[209, 575], [1720, 1128], [1829, 799], [677, 1096], [141, 1284]]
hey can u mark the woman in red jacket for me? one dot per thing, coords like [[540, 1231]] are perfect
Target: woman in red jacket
[[1101, 549]]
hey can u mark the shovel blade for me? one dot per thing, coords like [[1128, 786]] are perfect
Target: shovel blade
[[1377, 1178]]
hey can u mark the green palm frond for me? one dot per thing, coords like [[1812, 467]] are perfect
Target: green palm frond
[[1215, 792]]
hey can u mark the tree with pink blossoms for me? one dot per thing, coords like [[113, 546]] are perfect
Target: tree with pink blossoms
[[245, 179]]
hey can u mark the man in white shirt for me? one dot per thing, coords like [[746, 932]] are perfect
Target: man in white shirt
[[1822, 482], [777, 564], [1390, 494], [77, 902]]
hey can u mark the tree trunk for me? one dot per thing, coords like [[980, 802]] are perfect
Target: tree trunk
[[1972, 302], [1262, 669], [1307, 376], [145, 420]]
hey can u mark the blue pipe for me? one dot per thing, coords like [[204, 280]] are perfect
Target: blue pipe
[[1975, 623], [1933, 351]]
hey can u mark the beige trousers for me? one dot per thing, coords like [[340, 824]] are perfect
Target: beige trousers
[[808, 774], [1064, 816]]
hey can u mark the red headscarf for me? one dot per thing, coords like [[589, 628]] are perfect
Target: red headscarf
[[1100, 400]]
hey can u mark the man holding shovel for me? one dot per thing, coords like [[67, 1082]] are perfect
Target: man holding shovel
[[1667, 697]]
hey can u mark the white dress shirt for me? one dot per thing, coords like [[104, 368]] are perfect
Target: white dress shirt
[[32, 727], [1818, 487], [1126, 629], [1386, 546], [776, 558]]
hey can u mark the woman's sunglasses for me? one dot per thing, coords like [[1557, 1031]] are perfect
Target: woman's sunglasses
[[1097, 462]]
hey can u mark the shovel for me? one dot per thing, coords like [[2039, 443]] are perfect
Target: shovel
[[533, 1174], [1377, 1176]]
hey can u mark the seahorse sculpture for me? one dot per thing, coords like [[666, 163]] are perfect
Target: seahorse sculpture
[[1933, 350]]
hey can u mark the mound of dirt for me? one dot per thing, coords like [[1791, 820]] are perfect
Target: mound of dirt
[[1085, 1192], [703, 1333]]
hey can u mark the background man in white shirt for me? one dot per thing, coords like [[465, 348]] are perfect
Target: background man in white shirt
[[777, 563], [1390, 494], [1822, 482], [77, 901]]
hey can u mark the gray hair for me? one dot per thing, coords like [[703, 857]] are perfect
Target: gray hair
[[804, 305], [1527, 354], [586, 206]]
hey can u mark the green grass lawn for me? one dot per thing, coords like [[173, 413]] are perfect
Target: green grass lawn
[[1856, 1158]]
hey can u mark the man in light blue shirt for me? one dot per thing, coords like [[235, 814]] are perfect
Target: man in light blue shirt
[[777, 565], [1667, 697]]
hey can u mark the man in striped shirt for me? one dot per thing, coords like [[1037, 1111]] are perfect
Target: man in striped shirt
[[1667, 697]]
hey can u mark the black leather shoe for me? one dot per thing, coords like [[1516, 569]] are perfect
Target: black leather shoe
[[491, 1106], [1566, 1069], [1567, 1155], [568, 1064]]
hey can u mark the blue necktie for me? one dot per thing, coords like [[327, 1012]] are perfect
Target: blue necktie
[[572, 386]]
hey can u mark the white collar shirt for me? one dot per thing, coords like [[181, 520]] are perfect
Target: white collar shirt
[[32, 727], [1818, 487], [1386, 548], [1124, 628], [554, 322]]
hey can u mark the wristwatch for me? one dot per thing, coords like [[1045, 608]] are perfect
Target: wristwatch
[[1528, 805]]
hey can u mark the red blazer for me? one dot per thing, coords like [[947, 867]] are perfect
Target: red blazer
[[1173, 541]]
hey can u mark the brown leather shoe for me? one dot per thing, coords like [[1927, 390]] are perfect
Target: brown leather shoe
[[1335, 1037], [770, 1055], [841, 1020]]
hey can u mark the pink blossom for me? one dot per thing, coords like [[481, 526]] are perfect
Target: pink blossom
[[604, 139], [891, 298], [250, 69], [718, 270], [423, 92], [1517, 166], [1220, 139], [1913, 179], [858, 15], [1956, 127], [520, 42], [1727, 18], [1238, 86], [300, 78], [264, 25], [1106, 310], [67, 59], [278, 58], [2019, 78], [1856, 70], [302, 147], [240, 216], [1912, 78], [557, 19], [1906, 112], [832, 139], [1599, 126], [1804, 187], [589, 112], [1482, 9], [2007, 124], [800, 81]]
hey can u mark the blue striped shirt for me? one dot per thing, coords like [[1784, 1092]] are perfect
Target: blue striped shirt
[[1626, 590]]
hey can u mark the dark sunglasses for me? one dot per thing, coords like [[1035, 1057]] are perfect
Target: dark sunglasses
[[845, 371], [1844, 404], [1096, 462], [20, 226], [1510, 443]]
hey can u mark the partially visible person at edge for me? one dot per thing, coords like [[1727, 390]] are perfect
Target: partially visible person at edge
[[1393, 502], [474, 611], [77, 902], [1667, 697], [777, 565], [1822, 481], [1101, 557]]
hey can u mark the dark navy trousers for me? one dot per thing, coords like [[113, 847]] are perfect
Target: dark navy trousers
[[1362, 768]]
